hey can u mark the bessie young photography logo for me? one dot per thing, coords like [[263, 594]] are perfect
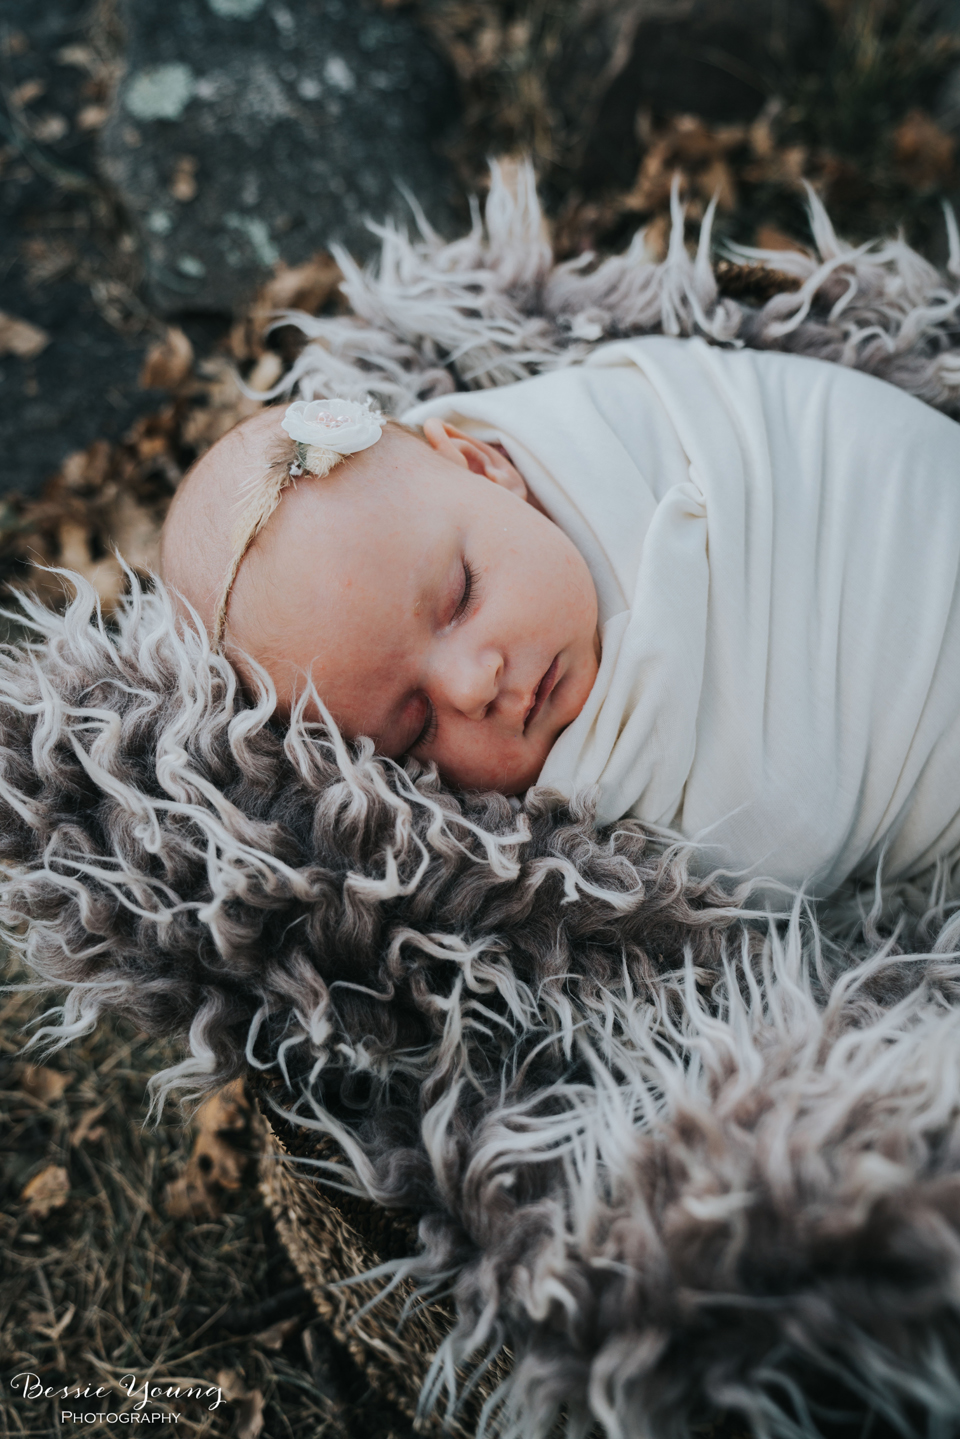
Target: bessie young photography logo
[[88, 1404]]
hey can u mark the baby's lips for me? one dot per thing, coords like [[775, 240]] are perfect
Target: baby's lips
[[542, 692]]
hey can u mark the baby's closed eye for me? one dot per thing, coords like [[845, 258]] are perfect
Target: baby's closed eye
[[468, 594], [429, 731]]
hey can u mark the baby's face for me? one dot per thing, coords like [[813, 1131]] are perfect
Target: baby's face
[[434, 607]]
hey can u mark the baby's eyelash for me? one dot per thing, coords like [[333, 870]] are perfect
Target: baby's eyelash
[[429, 731], [469, 592], [467, 600]]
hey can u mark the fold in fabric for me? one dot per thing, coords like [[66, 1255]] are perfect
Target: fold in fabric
[[775, 543]]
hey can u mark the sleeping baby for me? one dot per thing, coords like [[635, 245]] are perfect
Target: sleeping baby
[[718, 587]]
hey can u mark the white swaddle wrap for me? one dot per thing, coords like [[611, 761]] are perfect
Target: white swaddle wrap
[[775, 543]]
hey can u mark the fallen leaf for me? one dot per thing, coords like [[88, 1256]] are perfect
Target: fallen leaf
[[167, 363], [81, 56], [656, 237], [189, 1198], [21, 338], [150, 446], [50, 1189], [695, 142], [762, 141], [249, 1420], [250, 1416], [224, 1114], [266, 372], [216, 1165], [768, 237], [781, 167], [44, 1084], [232, 1383], [136, 534], [923, 152], [717, 179], [228, 1109], [86, 470], [49, 128], [87, 1127], [226, 405], [26, 93], [695, 148], [310, 286], [74, 546], [301, 287], [183, 181], [651, 189], [276, 1336], [92, 117]]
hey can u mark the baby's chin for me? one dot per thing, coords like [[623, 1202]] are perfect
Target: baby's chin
[[495, 774], [486, 782]]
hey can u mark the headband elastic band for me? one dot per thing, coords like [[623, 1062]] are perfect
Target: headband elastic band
[[323, 431]]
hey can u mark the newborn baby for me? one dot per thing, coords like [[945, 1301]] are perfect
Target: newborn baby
[[420, 585], [719, 586]]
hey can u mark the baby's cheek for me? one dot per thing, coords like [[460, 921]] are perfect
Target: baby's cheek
[[490, 763]]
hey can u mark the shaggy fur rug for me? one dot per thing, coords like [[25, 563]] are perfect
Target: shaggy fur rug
[[673, 1154], [494, 306]]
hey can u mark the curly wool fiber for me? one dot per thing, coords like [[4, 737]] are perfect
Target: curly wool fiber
[[495, 306]]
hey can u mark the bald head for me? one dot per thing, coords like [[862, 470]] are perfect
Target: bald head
[[195, 546]]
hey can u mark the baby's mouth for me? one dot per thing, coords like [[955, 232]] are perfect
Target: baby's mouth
[[540, 694]]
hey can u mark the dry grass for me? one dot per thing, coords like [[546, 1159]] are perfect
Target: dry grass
[[108, 1284]]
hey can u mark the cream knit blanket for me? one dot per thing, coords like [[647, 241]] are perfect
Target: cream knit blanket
[[775, 543]]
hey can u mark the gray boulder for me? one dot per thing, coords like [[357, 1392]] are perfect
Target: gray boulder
[[249, 131]]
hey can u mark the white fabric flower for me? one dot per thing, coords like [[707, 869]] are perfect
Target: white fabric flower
[[343, 426]]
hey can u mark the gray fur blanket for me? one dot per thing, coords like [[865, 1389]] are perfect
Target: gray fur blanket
[[674, 1154]]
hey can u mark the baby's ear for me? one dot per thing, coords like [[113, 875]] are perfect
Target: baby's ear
[[475, 455]]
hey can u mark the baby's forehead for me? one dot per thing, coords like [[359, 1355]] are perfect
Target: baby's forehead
[[247, 450], [195, 541], [239, 455], [201, 519]]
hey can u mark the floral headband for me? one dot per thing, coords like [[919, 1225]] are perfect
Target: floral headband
[[323, 431]]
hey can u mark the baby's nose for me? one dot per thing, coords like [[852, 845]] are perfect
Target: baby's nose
[[472, 685]]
